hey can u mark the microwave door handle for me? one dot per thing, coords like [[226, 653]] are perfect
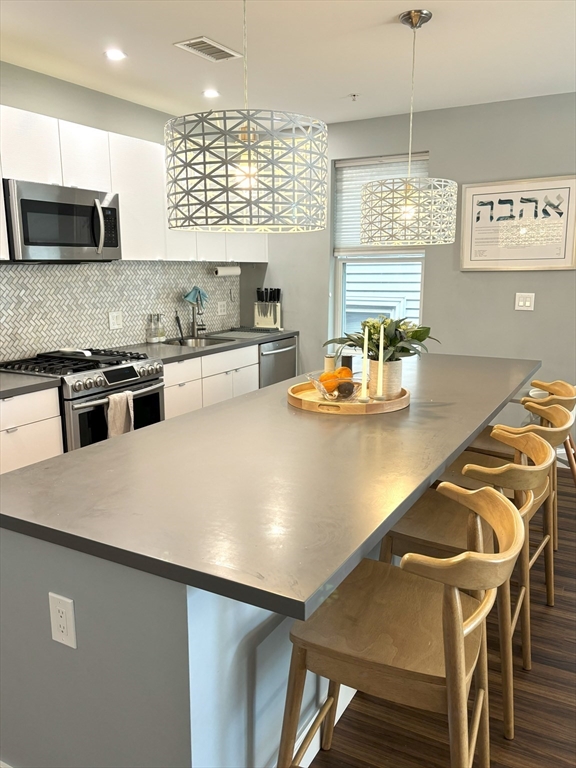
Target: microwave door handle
[[100, 245]]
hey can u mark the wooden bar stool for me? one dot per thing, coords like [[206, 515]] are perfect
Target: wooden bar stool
[[438, 527], [409, 635], [555, 427], [564, 394]]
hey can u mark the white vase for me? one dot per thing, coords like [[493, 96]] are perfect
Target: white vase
[[391, 379]]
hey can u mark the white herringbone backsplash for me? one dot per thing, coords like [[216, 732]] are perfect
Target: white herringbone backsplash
[[45, 307]]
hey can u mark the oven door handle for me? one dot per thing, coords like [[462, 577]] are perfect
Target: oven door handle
[[105, 400], [100, 245]]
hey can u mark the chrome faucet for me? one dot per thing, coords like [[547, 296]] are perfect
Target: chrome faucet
[[196, 326]]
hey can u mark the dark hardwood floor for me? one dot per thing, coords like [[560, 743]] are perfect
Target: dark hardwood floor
[[375, 734]]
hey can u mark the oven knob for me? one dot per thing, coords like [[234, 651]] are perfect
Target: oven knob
[[77, 386], [99, 381], [149, 369], [142, 371], [88, 383], [158, 368]]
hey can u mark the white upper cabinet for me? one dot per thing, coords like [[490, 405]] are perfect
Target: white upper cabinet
[[85, 157], [180, 245], [29, 146], [4, 253], [137, 170], [211, 246], [246, 247]]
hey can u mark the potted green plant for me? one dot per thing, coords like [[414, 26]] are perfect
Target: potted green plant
[[402, 338]]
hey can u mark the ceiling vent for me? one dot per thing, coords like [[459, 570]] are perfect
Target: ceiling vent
[[208, 49]]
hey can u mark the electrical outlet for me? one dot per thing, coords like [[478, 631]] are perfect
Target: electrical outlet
[[114, 320], [524, 301], [221, 307], [62, 619]]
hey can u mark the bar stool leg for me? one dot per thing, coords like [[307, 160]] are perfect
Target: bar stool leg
[[386, 549], [554, 490], [296, 680], [506, 659], [549, 525], [570, 453], [481, 681], [524, 563], [328, 724]]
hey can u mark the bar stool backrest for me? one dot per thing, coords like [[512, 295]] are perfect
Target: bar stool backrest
[[476, 570], [518, 476], [560, 393], [560, 420]]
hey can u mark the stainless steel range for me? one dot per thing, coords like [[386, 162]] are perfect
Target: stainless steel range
[[87, 377]]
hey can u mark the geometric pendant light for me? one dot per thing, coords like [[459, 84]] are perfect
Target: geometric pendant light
[[412, 210], [246, 170]]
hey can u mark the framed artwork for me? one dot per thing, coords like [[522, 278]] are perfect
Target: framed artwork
[[527, 224]]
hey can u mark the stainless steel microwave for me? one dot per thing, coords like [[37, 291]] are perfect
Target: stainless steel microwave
[[49, 223]]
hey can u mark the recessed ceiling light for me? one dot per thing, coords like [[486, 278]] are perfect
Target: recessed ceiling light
[[210, 93], [115, 54]]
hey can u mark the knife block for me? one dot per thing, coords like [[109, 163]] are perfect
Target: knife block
[[267, 314]]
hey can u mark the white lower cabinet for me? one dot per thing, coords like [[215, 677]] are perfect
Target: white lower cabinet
[[223, 386], [182, 398], [30, 429], [246, 380], [216, 389]]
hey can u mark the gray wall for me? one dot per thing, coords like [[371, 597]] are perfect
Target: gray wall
[[471, 312], [25, 89], [121, 699]]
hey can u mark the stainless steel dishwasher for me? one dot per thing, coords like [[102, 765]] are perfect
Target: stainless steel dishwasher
[[278, 361]]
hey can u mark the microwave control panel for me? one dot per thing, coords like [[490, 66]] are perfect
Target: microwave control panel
[[110, 227]]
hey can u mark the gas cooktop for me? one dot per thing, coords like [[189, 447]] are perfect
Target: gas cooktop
[[65, 362]]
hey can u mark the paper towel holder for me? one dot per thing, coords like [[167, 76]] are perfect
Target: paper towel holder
[[231, 271]]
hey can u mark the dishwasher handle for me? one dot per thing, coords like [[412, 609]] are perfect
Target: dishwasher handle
[[277, 351]]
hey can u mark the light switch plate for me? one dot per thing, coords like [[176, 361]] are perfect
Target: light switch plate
[[221, 307], [62, 621], [114, 320], [524, 301]]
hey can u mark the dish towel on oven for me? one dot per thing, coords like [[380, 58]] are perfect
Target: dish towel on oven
[[120, 414]]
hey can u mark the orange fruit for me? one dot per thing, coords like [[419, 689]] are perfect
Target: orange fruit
[[343, 372], [329, 380]]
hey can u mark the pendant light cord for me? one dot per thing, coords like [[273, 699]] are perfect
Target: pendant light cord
[[245, 56], [411, 101]]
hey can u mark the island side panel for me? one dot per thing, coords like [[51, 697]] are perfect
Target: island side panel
[[121, 699], [239, 660]]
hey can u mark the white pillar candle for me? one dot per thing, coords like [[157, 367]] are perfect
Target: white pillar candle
[[380, 362], [364, 394]]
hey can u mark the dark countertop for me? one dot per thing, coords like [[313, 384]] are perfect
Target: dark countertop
[[278, 505], [13, 384], [171, 353]]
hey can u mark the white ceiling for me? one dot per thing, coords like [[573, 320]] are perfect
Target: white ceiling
[[304, 55]]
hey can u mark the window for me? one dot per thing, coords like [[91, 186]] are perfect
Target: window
[[372, 280]]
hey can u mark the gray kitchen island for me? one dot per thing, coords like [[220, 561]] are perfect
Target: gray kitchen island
[[188, 547]]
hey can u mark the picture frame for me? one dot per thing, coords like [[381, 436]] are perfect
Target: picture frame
[[527, 224]]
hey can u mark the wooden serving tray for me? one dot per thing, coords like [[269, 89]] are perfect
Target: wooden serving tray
[[306, 397]]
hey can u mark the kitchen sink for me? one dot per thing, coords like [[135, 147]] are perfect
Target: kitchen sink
[[191, 341]]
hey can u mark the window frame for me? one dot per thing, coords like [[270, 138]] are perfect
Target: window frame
[[345, 256]]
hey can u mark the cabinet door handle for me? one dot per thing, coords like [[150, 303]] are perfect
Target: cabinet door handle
[[12, 429], [5, 399], [236, 370], [228, 373], [183, 384]]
